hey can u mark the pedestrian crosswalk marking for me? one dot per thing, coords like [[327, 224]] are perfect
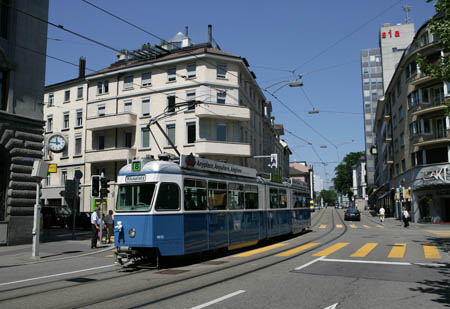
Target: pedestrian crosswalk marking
[[109, 255], [256, 251], [367, 227], [298, 249], [339, 226], [380, 226], [431, 252], [353, 226], [323, 226], [440, 233], [365, 250], [331, 249], [397, 251]]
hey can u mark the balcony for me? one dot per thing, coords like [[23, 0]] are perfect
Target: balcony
[[419, 79], [111, 154], [222, 148], [223, 111], [422, 140], [111, 121], [437, 106]]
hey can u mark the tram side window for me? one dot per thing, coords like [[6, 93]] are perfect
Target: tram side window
[[274, 198], [297, 199], [283, 198], [235, 196], [135, 197], [251, 197], [194, 194], [217, 195], [168, 197]]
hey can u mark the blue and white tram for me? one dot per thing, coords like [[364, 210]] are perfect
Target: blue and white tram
[[165, 208]]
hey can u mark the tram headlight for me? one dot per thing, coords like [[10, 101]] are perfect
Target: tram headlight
[[132, 232]]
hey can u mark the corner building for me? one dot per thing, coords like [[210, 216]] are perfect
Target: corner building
[[211, 104]]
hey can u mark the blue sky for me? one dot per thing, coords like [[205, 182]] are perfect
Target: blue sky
[[272, 35]]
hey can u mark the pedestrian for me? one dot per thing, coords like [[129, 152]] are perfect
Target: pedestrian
[[109, 221], [381, 212], [95, 227], [405, 216]]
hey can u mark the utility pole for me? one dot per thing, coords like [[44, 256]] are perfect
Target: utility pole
[[406, 9]]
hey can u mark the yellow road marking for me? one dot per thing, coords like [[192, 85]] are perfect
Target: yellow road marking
[[298, 249], [380, 226], [398, 251], [367, 227], [256, 251], [323, 226], [431, 252], [331, 249], [339, 226], [109, 255], [365, 250], [444, 234], [353, 226], [242, 245]]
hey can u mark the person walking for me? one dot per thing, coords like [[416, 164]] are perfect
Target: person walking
[[381, 212], [405, 216], [95, 227], [109, 221]]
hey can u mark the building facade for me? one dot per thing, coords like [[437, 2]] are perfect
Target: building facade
[[23, 44], [413, 122], [205, 100]]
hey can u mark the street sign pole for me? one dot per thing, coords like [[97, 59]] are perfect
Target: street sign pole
[[36, 223]]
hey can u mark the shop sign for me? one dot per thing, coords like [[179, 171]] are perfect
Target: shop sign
[[192, 162], [437, 174]]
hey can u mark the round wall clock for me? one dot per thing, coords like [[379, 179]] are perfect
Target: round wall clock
[[56, 143]]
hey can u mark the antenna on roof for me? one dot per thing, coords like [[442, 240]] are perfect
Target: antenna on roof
[[406, 9]]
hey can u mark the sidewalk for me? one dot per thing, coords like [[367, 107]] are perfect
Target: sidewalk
[[49, 251]]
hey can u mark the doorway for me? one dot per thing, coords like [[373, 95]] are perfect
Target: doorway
[[445, 213]]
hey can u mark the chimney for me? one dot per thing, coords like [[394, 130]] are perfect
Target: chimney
[[82, 67], [210, 34], [186, 31]]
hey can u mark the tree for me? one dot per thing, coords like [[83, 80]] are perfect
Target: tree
[[439, 26], [343, 181], [329, 196]]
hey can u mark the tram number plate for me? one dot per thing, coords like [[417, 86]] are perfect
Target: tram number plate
[[135, 178]]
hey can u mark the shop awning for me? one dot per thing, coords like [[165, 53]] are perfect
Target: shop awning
[[384, 195]]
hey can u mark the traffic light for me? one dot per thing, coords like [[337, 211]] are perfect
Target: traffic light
[[95, 186], [104, 187]]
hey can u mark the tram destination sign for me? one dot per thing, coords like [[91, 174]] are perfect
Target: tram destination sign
[[201, 164]]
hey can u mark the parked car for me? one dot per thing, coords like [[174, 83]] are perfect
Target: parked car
[[352, 214], [53, 216], [82, 220]]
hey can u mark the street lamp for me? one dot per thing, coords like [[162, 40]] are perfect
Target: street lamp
[[313, 111]]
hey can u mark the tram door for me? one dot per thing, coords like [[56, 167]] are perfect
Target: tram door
[[217, 218]]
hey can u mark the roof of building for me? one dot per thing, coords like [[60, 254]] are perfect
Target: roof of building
[[298, 167]]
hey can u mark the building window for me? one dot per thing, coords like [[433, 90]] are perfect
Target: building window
[[427, 126], [128, 82], [402, 139], [171, 74], [170, 131], [190, 98], [4, 10], [221, 97], [128, 139], [101, 142], [49, 123], [79, 92], [65, 153], [145, 137], [78, 143], [221, 132], [401, 113], [171, 103], [79, 117], [66, 118], [395, 121], [101, 110], [403, 165], [3, 90], [127, 107], [103, 87], [411, 69], [190, 131], [191, 70], [67, 96], [51, 99], [146, 79], [146, 107], [221, 70], [63, 177]]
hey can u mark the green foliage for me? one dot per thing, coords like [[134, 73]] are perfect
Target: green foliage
[[146, 46], [440, 27], [329, 197], [343, 181]]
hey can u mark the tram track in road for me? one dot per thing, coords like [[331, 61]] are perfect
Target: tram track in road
[[196, 276], [253, 260]]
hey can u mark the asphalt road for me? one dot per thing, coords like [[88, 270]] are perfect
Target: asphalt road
[[342, 264]]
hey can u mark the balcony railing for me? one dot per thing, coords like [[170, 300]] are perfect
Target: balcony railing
[[208, 147], [422, 108], [110, 154], [437, 137], [223, 111], [111, 121]]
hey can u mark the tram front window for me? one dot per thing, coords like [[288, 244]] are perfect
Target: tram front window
[[137, 197]]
